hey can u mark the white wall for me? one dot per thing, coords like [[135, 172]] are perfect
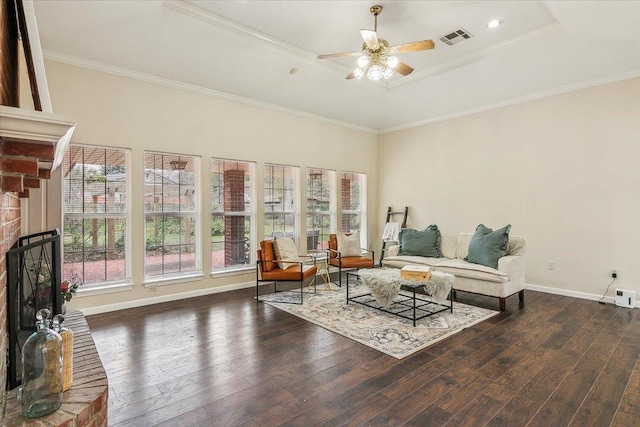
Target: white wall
[[564, 171], [122, 112]]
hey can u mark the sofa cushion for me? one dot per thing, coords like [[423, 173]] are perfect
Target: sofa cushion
[[461, 268], [448, 244], [462, 245], [285, 249], [516, 245], [488, 246], [399, 261], [349, 245], [420, 243]]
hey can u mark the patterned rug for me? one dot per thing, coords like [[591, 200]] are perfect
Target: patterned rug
[[384, 332]]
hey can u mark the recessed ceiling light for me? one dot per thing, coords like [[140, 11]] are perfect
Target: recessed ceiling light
[[494, 23]]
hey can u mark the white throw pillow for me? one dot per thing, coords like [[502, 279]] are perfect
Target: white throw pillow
[[285, 250], [349, 245]]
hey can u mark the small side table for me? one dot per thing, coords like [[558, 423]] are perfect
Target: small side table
[[321, 261]]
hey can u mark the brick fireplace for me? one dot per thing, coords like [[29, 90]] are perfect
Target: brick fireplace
[[9, 232], [32, 145]]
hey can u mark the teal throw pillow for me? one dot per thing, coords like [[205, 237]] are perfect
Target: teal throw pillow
[[488, 246], [420, 243]]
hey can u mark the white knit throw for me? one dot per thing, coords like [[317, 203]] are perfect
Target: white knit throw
[[385, 283]]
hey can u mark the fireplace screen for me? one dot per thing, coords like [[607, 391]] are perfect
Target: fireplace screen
[[33, 283]]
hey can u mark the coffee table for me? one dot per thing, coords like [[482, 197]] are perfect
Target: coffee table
[[409, 304]]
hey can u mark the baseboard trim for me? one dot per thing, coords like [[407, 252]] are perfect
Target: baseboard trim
[[218, 289], [164, 298], [574, 294]]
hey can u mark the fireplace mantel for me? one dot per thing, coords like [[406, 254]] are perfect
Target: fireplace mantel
[[33, 145]]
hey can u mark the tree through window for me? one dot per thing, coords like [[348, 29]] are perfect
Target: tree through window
[[320, 207], [171, 214], [95, 214], [280, 205]]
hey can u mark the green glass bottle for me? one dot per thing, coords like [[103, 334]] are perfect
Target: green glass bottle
[[41, 391]]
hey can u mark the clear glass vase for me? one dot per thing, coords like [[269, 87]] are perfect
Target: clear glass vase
[[41, 391]]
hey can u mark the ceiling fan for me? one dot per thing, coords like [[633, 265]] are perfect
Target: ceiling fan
[[377, 59]]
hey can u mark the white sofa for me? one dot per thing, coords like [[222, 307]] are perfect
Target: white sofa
[[502, 283]]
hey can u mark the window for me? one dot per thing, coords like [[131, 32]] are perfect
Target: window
[[353, 187], [171, 215], [95, 214], [320, 207], [280, 204], [231, 213]]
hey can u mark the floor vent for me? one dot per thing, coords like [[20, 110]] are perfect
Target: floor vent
[[456, 37]]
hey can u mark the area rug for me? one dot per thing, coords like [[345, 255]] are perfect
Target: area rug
[[384, 332]]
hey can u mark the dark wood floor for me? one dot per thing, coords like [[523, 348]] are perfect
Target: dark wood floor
[[224, 360]]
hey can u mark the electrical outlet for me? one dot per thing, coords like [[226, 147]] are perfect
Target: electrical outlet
[[153, 289], [551, 266], [614, 274]]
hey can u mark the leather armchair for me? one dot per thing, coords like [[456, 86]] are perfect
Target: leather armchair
[[337, 260], [268, 271]]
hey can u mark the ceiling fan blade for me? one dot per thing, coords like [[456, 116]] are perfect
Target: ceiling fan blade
[[403, 68], [370, 38], [339, 55], [413, 47]]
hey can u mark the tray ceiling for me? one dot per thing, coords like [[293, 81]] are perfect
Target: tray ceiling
[[246, 50]]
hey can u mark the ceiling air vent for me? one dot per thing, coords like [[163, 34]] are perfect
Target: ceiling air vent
[[456, 37]]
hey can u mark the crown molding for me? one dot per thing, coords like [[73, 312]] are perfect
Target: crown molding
[[476, 56], [173, 84], [519, 100]]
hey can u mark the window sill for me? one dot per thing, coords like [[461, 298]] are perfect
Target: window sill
[[233, 271], [173, 280], [104, 288]]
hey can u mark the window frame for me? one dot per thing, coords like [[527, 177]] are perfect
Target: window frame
[[331, 212], [196, 214], [294, 213], [362, 211], [251, 213], [121, 284]]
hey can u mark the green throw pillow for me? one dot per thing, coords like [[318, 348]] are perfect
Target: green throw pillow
[[488, 246], [420, 243]]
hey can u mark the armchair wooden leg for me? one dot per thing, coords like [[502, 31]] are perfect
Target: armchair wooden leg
[[521, 295], [503, 305]]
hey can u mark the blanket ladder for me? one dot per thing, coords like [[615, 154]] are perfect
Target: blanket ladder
[[391, 229]]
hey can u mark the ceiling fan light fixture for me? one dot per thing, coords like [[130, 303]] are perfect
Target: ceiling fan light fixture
[[377, 60], [391, 61], [363, 61], [375, 72]]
